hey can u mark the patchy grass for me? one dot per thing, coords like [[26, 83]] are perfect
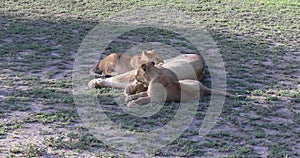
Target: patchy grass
[[259, 41]]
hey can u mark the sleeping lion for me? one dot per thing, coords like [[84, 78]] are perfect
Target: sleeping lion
[[118, 63]]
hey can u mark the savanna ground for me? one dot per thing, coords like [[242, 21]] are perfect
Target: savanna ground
[[259, 41]]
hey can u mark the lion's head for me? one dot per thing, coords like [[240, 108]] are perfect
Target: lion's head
[[144, 72], [151, 55]]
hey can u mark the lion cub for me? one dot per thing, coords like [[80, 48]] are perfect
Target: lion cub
[[163, 86], [118, 63]]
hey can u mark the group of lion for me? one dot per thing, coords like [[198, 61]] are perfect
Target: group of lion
[[148, 78]]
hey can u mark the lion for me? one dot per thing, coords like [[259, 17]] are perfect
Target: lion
[[163, 86], [185, 66], [137, 86], [118, 63]]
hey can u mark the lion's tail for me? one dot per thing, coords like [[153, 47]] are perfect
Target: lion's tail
[[215, 92], [208, 91]]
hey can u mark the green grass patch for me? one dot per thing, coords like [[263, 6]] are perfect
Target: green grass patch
[[258, 40]]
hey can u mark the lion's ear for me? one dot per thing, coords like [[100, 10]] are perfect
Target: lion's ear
[[151, 51], [143, 53], [144, 67]]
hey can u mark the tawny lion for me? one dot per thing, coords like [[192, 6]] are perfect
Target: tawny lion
[[164, 86], [118, 63], [184, 66]]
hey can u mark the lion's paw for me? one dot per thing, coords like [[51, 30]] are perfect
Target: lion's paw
[[131, 104], [128, 99], [96, 83]]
